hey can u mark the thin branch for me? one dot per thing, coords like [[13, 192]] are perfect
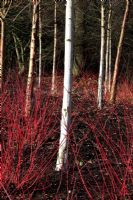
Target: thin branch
[[21, 12], [8, 9], [5, 191]]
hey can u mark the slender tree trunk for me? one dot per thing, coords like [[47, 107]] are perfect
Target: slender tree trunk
[[79, 57], [31, 61], [66, 106], [79, 30], [1, 50], [108, 52], [119, 50], [5, 7], [17, 51], [40, 47], [110, 57], [20, 53], [101, 69], [55, 47]]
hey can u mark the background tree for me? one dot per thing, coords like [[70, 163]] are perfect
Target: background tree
[[101, 68], [35, 4], [108, 52], [55, 47], [19, 20], [19, 53], [40, 45], [119, 50], [79, 57], [4, 8]]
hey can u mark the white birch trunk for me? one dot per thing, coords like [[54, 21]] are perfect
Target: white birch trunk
[[100, 78], [55, 47], [66, 106], [108, 54], [31, 61], [40, 47], [1, 50]]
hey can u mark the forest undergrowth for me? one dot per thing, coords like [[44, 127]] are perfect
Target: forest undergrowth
[[100, 144]]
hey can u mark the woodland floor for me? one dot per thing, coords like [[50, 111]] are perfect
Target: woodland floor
[[100, 163]]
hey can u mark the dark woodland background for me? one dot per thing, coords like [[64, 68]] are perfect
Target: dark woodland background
[[86, 39]]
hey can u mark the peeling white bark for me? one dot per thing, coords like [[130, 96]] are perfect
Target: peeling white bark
[[66, 106], [31, 61], [101, 69]]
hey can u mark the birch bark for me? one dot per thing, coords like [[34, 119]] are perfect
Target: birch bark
[[31, 61], [66, 106], [108, 53], [101, 69]]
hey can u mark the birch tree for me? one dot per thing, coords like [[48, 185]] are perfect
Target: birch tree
[[101, 69], [108, 52], [4, 8], [55, 47], [66, 106], [35, 4], [40, 46], [119, 50]]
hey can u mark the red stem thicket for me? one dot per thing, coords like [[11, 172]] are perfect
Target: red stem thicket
[[100, 145]]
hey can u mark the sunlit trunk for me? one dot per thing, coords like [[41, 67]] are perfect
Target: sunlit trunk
[[1, 50], [108, 54], [31, 61], [110, 59], [55, 47], [101, 69], [66, 106], [119, 50]]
